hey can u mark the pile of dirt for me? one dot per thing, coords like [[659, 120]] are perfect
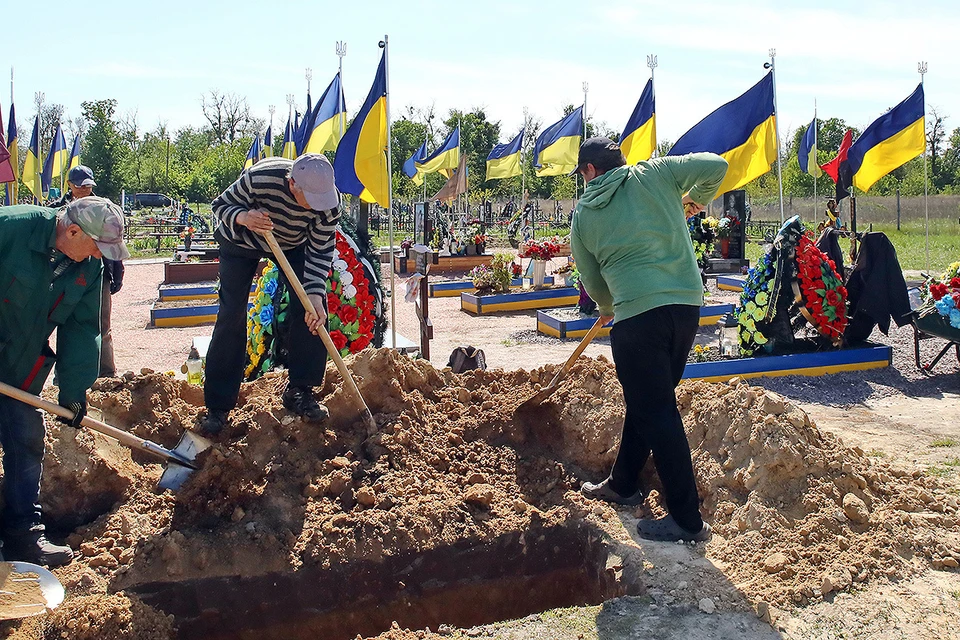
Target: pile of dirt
[[797, 515]]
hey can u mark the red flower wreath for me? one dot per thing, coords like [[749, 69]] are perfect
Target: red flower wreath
[[822, 291]]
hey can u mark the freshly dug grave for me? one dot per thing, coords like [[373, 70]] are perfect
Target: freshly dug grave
[[451, 508]]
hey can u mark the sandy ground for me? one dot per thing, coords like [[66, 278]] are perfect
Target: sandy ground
[[908, 422]]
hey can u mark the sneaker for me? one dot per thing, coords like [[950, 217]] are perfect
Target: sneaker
[[300, 400], [32, 546], [604, 491], [667, 530], [214, 422]]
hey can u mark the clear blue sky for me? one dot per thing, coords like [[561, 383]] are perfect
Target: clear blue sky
[[158, 58]]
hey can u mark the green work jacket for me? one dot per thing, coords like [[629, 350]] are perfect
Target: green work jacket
[[32, 305]]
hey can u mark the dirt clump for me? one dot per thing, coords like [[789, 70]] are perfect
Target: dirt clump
[[796, 514]]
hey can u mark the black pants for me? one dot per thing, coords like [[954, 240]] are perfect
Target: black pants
[[228, 346], [650, 351]]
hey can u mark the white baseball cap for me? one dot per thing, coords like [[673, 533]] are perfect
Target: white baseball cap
[[313, 173]]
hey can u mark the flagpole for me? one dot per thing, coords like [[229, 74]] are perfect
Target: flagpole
[[341, 52], [652, 63], [576, 180], [14, 188], [39, 95], [393, 279], [523, 174], [816, 160], [776, 127], [922, 70]]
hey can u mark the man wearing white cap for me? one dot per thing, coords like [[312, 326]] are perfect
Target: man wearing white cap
[[299, 202], [50, 275]]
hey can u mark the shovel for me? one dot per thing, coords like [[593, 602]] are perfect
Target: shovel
[[548, 390], [181, 461], [327, 341], [27, 590]]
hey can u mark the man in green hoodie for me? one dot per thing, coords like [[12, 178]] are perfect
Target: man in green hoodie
[[630, 241]]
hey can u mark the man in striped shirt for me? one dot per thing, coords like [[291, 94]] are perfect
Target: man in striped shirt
[[299, 202]]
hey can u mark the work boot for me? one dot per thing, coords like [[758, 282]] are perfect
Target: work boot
[[214, 422], [604, 491], [32, 546], [667, 530], [300, 401]]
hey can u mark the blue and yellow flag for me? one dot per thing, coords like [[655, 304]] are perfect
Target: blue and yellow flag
[[504, 159], [254, 154], [410, 166], [289, 149], [6, 171], [10, 198], [303, 127], [32, 165], [361, 161], [807, 153], [74, 160], [743, 131], [268, 142], [639, 138], [327, 120], [893, 139], [56, 161], [446, 158], [555, 151]]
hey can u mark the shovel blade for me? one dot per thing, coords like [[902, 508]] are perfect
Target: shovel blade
[[536, 399], [27, 590], [189, 447]]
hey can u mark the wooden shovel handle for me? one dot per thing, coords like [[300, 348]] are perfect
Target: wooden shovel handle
[[324, 336], [594, 330], [128, 439]]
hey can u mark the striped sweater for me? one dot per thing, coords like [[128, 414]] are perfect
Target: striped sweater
[[264, 186]]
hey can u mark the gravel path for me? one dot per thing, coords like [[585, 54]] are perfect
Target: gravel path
[[511, 341]]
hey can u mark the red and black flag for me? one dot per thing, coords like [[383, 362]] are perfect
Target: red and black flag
[[837, 168]]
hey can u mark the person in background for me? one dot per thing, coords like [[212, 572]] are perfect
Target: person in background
[[630, 241], [80, 184], [50, 272]]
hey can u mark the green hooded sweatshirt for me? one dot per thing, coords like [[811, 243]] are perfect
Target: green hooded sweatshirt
[[629, 234]]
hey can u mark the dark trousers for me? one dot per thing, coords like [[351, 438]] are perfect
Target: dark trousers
[[107, 366], [21, 436], [650, 352], [228, 346]]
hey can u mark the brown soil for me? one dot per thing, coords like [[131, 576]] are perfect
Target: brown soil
[[403, 511]]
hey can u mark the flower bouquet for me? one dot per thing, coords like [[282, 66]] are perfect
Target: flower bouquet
[[187, 236], [543, 250], [727, 226], [702, 234], [941, 296]]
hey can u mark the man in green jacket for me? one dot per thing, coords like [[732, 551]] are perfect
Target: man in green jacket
[[50, 278], [630, 241]]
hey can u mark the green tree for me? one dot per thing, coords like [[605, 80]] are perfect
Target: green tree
[[104, 151], [477, 137]]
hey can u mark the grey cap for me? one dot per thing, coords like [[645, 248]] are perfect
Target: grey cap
[[313, 173], [102, 220], [81, 176]]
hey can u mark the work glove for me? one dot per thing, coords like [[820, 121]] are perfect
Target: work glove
[[79, 410]]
